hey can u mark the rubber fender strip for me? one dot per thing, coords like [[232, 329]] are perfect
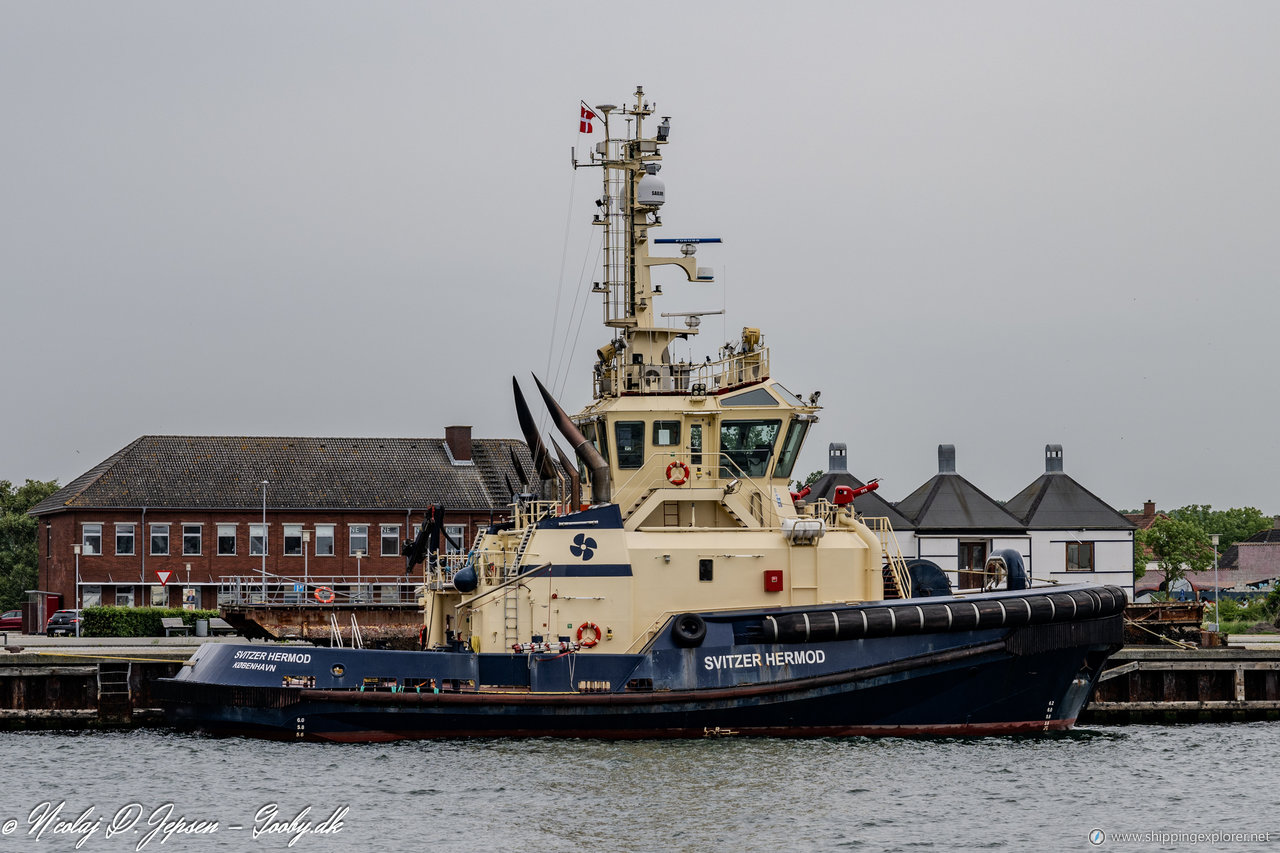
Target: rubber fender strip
[[920, 612], [1004, 614], [773, 626], [835, 619], [893, 621], [1053, 608], [806, 626]]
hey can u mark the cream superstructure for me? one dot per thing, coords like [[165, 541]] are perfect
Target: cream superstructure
[[692, 509]]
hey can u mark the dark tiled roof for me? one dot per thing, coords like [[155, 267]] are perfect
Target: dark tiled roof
[[225, 472], [1261, 546], [1054, 501], [948, 501], [870, 504], [1227, 578], [1141, 520]]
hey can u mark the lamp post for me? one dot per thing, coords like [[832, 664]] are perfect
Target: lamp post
[[1217, 590], [76, 548], [306, 540], [264, 541]]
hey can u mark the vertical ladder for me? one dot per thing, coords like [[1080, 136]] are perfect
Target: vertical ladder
[[114, 698], [335, 636], [357, 641], [671, 513], [511, 615], [520, 548]]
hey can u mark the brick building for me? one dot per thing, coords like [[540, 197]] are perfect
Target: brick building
[[190, 509]]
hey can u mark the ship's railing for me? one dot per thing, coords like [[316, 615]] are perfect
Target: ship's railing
[[892, 552], [688, 378], [338, 590]]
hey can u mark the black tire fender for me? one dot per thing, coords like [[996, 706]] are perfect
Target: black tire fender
[[688, 630]]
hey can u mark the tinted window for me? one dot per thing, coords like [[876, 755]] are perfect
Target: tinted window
[[746, 447], [790, 448], [666, 433], [629, 442]]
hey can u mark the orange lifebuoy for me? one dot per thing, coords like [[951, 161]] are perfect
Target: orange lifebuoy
[[324, 595], [592, 641], [680, 478]]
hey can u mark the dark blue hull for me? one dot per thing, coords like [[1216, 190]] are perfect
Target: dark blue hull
[[1032, 677]]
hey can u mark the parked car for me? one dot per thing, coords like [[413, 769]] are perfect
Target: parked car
[[63, 622], [11, 620]]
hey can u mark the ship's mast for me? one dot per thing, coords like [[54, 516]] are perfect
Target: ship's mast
[[629, 205]]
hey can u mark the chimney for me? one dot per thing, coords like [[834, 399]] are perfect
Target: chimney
[[1149, 509], [458, 439], [837, 457], [946, 458], [1053, 458]]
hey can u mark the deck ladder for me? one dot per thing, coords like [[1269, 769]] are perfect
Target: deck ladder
[[897, 581]]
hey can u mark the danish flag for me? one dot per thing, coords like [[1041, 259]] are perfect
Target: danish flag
[[584, 120]]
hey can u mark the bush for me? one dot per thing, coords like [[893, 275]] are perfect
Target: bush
[[136, 621]]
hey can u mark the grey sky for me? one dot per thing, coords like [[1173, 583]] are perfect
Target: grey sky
[[997, 225]]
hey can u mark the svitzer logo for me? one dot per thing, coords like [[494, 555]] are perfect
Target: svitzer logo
[[583, 546]]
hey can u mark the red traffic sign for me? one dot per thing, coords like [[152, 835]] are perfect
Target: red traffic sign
[[164, 575]]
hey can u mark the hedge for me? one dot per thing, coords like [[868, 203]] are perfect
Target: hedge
[[136, 621]]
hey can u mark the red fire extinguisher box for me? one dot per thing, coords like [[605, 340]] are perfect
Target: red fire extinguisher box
[[773, 580]]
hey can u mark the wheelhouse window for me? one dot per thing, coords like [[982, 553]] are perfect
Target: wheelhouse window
[[226, 540], [666, 433], [629, 441], [390, 540], [790, 448], [746, 447], [124, 540], [293, 540], [159, 540], [358, 536], [257, 540], [91, 539], [191, 540], [324, 540], [1079, 556]]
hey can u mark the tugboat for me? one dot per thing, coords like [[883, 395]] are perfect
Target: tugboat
[[693, 594]]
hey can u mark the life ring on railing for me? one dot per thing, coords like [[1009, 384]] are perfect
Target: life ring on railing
[[589, 626], [680, 478], [324, 595]]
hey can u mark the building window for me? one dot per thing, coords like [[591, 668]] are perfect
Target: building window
[[293, 540], [159, 540], [455, 538], [124, 540], [124, 596], [91, 596], [358, 539], [666, 433], [257, 540], [324, 540], [629, 441], [91, 539], [1079, 556], [159, 596], [191, 540], [390, 540], [226, 540]]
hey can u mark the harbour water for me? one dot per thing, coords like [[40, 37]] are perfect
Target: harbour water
[[158, 788]]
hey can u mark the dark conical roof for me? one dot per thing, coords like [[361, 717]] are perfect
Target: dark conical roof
[[1054, 501], [947, 501]]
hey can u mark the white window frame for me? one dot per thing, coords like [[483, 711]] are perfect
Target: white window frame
[[130, 592], [458, 532], [392, 531], [199, 539], [161, 530], [325, 532], [86, 534], [293, 531], [126, 530], [259, 532], [356, 532], [91, 595], [235, 537]]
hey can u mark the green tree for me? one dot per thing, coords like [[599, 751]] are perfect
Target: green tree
[[1232, 525], [18, 538], [807, 481], [1179, 547]]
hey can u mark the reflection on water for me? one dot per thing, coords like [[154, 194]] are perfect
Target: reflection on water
[[830, 794]]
